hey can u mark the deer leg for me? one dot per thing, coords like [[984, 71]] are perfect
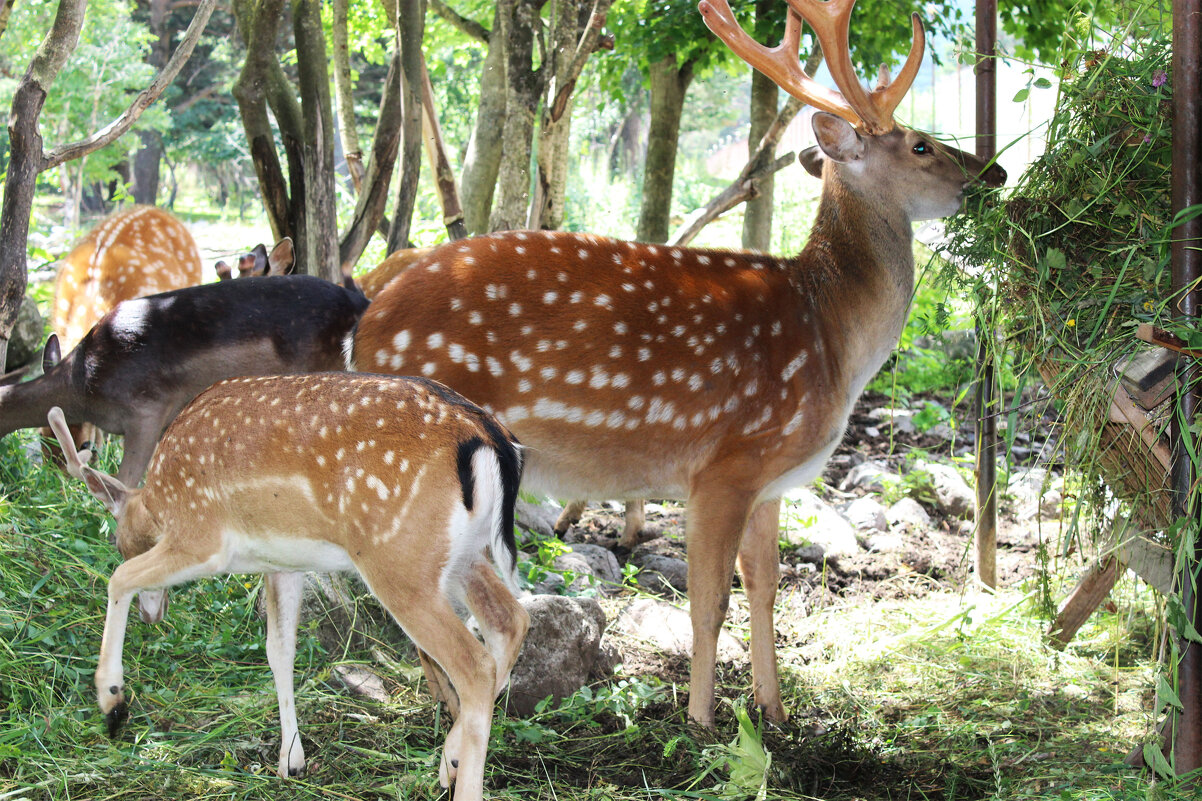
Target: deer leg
[[569, 516], [636, 518], [714, 520], [440, 685], [139, 446], [503, 621], [157, 567], [283, 600], [759, 565]]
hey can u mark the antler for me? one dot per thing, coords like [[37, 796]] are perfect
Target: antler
[[75, 461], [871, 112]]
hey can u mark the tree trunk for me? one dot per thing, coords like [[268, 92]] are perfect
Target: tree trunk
[[573, 37], [523, 89], [317, 225], [483, 159], [373, 195], [669, 84], [146, 160], [757, 214], [257, 21], [411, 25], [25, 159], [440, 163], [344, 91]]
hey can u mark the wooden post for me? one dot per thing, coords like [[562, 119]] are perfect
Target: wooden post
[[986, 400], [1187, 267]]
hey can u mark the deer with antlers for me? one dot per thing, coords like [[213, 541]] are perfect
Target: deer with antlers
[[722, 378], [399, 479]]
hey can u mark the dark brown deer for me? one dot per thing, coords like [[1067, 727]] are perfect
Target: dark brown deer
[[400, 479], [723, 378], [144, 360]]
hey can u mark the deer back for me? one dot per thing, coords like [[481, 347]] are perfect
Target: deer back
[[136, 252]]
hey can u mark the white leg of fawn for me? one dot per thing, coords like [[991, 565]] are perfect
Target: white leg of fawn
[[723, 378], [399, 479]]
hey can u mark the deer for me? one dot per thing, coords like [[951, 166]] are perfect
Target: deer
[[723, 378], [138, 251], [257, 261], [144, 360], [399, 479]]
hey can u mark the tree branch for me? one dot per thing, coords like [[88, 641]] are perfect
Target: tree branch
[[741, 189], [587, 45], [145, 98], [469, 26]]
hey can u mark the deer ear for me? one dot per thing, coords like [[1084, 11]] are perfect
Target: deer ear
[[51, 353], [837, 139], [811, 158], [107, 489], [224, 271], [282, 257], [259, 254]]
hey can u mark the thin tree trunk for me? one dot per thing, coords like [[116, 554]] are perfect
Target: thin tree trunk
[[523, 89], [757, 214], [5, 12], [26, 159], [344, 91], [483, 158], [573, 38], [411, 25], [318, 245], [669, 84], [440, 164], [373, 196], [146, 160]]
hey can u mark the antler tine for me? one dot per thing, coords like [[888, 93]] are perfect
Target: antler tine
[[888, 95], [780, 63], [74, 460], [831, 20]]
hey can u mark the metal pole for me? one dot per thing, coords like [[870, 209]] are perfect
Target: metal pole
[[986, 401], [1187, 267]]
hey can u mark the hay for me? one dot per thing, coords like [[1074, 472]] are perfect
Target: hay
[[1078, 256]]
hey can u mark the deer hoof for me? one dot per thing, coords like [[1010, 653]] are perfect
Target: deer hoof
[[116, 718]]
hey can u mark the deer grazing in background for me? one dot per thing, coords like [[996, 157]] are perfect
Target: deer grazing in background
[[399, 479], [724, 378], [257, 261], [136, 252]]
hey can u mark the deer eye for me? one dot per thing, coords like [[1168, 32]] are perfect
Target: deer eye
[[923, 149]]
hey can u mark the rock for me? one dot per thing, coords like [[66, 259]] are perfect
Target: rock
[[813, 521], [25, 342], [953, 496], [885, 542], [812, 554], [348, 616], [601, 560], [361, 681], [865, 514], [1036, 494], [537, 518], [562, 651], [870, 476], [581, 571], [664, 628], [908, 513], [662, 575], [902, 419]]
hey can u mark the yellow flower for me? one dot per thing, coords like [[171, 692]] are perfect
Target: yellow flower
[[1072, 322]]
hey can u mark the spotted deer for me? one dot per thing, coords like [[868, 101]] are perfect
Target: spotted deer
[[723, 378], [143, 361], [131, 253], [399, 479], [139, 251]]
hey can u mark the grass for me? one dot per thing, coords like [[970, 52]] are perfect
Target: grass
[[937, 697]]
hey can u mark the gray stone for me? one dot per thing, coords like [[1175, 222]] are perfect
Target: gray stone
[[813, 554], [662, 575], [562, 651], [867, 476], [1036, 493], [866, 514], [812, 521], [902, 419], [602, 562], [953, 496], [537, 518], [885, 542], [908, 513], [664, 628]]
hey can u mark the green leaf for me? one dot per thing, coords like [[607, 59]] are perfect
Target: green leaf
[[1022, 95], [1154, 758], [1043, 83], [1166, 693]]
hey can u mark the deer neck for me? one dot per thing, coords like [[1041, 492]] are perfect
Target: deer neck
[[858, 271]]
